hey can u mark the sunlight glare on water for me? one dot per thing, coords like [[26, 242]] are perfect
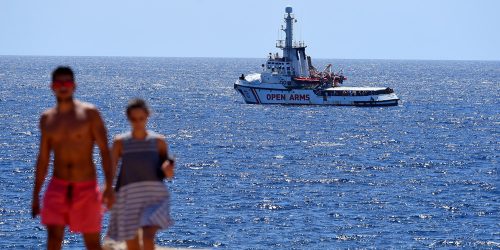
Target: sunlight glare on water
[[422, 174]]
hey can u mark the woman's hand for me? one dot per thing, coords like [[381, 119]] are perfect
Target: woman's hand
[[168, 169]]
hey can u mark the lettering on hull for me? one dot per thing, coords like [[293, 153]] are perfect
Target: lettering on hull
[[258, 96], [285, 97]]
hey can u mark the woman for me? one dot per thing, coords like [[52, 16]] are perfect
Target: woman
[[142, 199]]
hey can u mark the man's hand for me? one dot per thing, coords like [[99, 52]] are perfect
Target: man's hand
[[35, 207], [168, 169], [108, 197]]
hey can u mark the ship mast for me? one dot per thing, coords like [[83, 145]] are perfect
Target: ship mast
[[289, 18], [295, 53]]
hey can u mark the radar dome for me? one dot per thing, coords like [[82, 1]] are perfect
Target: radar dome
[[288, 10]]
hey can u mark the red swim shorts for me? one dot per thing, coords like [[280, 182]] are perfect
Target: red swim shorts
[[76, 204]]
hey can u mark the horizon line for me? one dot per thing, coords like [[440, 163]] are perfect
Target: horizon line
[[224, 57]]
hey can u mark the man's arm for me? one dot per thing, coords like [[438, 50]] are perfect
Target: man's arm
[[101, 139], [41, 168]]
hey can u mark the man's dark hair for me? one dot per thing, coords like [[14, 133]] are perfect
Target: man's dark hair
[[62, 70], [137, 103]]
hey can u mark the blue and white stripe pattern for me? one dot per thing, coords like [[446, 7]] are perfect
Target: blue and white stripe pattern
[[139, 204], [140, 160]]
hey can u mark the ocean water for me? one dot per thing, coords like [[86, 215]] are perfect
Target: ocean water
[[422, 174]]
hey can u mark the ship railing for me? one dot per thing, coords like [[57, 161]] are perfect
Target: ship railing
[[360, 92], [280, 44], [299, 44]]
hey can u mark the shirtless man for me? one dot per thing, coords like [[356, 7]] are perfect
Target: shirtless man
[[70, 130]]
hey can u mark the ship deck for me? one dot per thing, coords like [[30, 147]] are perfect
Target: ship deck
[[351, 88]]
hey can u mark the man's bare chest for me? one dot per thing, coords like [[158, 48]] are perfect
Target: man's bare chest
[[68, 127]]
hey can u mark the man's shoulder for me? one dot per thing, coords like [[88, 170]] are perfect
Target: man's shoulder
[[87, 106], [48, 112]]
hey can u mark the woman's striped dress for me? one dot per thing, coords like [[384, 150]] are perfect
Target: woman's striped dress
[[142, 199]]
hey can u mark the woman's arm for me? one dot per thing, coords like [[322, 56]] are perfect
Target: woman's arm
[[116, 153], [168, 164]]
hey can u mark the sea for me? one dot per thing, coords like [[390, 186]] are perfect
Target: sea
[[423, 174]]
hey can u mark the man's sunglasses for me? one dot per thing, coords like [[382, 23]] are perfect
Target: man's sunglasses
[[61, 84]]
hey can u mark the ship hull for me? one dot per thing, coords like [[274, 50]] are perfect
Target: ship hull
[[277, 95]]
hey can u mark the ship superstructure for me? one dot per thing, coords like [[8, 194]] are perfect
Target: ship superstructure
[[292, 79]]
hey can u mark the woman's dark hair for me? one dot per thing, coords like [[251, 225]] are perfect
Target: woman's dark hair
[[137, 103], [63, 70]]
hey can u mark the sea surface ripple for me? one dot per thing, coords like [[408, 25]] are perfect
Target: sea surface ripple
[[422, 174]]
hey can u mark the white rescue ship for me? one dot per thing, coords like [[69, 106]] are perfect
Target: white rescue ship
[[291, 79]]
